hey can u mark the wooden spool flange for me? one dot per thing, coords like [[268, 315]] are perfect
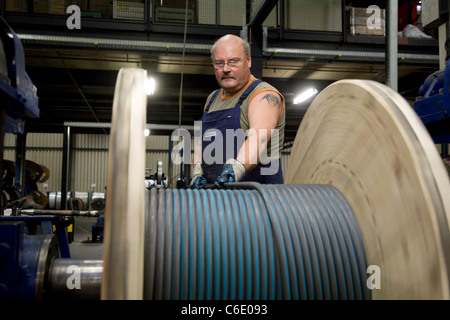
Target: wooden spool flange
[[366, 140], [123, 251]]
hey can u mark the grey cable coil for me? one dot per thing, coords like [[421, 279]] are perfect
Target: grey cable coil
[[252, 242]]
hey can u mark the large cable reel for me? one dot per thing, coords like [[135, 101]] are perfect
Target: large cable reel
[[359, 142], [365, 139]]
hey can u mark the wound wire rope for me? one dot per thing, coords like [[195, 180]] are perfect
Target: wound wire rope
[[253, 242]]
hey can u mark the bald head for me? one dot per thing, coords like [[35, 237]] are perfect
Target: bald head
[[231, 40]]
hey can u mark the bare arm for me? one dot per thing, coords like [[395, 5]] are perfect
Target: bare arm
[[263, 114], [197, 153]]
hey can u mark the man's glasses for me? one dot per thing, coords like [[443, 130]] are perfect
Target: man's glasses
[[231, 63]]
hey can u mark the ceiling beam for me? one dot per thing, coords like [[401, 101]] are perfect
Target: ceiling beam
[[265, 8]]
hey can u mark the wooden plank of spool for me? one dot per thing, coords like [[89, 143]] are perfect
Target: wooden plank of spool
[[123, 252], [365, 139]]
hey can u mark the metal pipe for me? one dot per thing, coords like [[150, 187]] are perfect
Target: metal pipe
[[75, 279], [60, 212], [392, 44], [108, 125], [205, 49], [66, 167]]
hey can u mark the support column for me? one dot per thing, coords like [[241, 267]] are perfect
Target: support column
[[392, 44], [66, 166], [19, 180]]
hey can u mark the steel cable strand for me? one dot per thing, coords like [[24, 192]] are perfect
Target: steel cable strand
[[216, 238], [168, 245], [292, 238], [159, 256], [307, 244], [266, 283], [240, 234], [254, 243], [345, 261], [200, 245], [333, 254], [356, 245], [246, 231], [316, 245], [208, 249], [224, 246], [342, 281], [277, 227], [270, 280], [234, 245], [151, 198], [328, 270], [298, 281], [290, 286], [193, 244], [204, 227], [184, 259], [176, 245], [216, 245]]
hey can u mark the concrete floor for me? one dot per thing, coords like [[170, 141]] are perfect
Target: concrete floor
[[82, 246]]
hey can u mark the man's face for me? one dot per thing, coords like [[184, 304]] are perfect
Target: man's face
[[231, 66]]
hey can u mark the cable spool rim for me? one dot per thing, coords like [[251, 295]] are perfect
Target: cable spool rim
[[326, 150], [123, 252]]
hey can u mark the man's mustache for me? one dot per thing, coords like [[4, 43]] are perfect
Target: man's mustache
[[227, 77]]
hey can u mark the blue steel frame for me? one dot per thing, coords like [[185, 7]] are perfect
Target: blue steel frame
[[433, 105]]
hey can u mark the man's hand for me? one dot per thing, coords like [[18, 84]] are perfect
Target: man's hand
[[198, 179], [233, 171]]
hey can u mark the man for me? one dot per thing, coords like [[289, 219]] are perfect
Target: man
[[245, 108]]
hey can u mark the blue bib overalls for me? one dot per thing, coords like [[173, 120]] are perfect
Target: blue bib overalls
[[214, 126]]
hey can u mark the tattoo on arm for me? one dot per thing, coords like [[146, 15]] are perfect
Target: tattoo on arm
[[272, 99]]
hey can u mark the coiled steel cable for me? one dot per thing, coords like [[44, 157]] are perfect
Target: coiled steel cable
[[252, 242]]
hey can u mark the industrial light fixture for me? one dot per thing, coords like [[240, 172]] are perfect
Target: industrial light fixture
[[146, 132], [305, 95], [150, 86]]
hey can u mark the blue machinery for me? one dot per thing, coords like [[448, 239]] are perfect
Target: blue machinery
[[17, 92], [433, 105]]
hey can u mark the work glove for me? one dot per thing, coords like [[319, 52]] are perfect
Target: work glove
[[233, 171], [198, 179]]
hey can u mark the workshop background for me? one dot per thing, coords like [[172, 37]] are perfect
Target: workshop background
[[302, 44], [59, 82]]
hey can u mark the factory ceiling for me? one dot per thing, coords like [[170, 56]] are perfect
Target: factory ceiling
[[75, 71]]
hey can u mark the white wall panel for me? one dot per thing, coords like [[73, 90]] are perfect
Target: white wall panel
[[232, 13], [89, 159], [206, 11], [317, 15], [42, 148]]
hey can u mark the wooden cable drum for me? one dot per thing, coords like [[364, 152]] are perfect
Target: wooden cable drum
[[75, 203], [364, 139], [33, 171], [123, 253], [45, 174], [39, 198]]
